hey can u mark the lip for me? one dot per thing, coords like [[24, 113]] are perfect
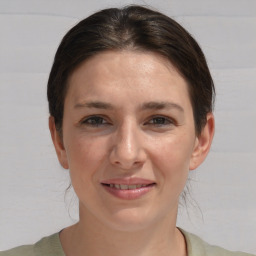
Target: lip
[[128, 181], [128, 194]]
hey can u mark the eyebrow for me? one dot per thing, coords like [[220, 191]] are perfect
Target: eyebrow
[[95, 104], [161, 105], [153, 105]]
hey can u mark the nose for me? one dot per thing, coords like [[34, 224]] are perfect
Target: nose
[[128, 150]]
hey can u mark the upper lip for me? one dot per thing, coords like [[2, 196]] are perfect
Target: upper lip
[[128, 181]]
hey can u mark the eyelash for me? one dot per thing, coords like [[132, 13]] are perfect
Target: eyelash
[[94, 121], [157, 121], [164, 121]]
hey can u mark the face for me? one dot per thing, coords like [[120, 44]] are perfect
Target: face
[[128, 138]]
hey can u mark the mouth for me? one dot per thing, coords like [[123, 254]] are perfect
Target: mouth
[[126, 190], [126, 186]]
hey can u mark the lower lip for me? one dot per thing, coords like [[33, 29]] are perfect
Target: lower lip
[[129, 194]]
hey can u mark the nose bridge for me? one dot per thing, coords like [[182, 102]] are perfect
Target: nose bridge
[[127, 150], [126, 139]]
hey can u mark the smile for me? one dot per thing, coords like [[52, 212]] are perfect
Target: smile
[[125, 186], [128, 191]]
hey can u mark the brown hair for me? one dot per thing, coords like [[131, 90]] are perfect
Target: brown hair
[[139, 29]]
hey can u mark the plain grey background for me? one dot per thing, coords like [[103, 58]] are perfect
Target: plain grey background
[[32, 184]]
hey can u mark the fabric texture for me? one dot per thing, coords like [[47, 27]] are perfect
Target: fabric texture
[[47, 246], [51, 246]]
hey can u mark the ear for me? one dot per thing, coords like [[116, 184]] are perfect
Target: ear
[[58, 144], [203, 143]]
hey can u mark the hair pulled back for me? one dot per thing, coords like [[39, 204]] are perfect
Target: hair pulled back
[[138, 29]]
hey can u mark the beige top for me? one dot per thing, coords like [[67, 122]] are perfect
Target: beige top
[[51, 246]]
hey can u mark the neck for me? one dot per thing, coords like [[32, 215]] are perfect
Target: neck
[[91, 237]]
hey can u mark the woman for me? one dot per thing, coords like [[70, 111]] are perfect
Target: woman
[[131, 99]]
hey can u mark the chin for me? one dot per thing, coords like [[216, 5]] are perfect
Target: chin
[[130, 220]]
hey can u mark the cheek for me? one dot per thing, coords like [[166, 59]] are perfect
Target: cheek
[[172, 158], [85, 156]]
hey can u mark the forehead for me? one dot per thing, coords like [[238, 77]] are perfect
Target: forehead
[[137, 74], [129, 61]]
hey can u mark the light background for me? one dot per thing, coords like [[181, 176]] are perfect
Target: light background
[[32, 184]]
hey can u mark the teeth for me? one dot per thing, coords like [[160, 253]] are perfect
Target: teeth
[[125, 187]]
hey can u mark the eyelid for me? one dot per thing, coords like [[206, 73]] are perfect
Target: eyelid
[[84, 121], [171, 121], [105, 120]]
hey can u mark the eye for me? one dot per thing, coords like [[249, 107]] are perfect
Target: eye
[[160, 121], [94, 121]]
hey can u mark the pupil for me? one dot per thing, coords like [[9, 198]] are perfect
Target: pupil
[[159, 120], [96, 120]]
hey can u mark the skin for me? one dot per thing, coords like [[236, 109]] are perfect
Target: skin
[[144, 129]]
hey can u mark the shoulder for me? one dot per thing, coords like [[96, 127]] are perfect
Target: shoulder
[[49, 246], [27, 250], [197, 247]]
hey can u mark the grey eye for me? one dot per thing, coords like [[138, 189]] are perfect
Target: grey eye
[[94, 121]]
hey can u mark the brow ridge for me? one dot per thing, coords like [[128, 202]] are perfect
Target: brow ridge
[[161, 105], [95, 104], [153, 105]]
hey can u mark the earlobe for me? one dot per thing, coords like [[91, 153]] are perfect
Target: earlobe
[[58, 144], [203, 143]]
